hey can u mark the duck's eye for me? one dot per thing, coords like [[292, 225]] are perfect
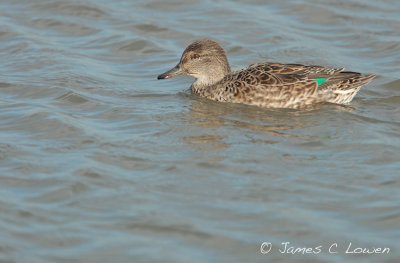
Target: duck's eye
[[194, 56]]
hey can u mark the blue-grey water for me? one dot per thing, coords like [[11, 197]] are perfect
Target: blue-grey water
[[100, 162]]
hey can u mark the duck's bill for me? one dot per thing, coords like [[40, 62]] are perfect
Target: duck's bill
[[171, 73]]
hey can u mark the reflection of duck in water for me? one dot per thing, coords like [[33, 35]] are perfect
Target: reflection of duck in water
[[268, 85], [209, 114]]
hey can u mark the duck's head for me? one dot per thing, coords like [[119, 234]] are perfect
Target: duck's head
[[204, 60]]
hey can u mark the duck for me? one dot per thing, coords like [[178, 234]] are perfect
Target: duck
[[266, 85]]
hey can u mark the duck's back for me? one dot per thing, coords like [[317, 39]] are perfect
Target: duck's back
[[287, 85]]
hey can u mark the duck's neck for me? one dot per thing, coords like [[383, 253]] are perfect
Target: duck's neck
[[209, 80]]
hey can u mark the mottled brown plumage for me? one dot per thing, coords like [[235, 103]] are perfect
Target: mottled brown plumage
[[265, 85]]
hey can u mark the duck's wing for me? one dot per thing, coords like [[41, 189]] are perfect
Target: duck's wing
[[332, 84], [344, 86], [258, 86], [312, 71], [266, 76]]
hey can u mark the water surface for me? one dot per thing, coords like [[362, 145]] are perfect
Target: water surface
[[100, 162]]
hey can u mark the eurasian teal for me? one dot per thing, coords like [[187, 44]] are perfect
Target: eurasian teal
[[268, 85]]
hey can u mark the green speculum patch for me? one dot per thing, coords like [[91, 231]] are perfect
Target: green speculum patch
[[320, 81]]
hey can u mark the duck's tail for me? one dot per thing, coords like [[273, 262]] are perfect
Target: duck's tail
[[344, 86]]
